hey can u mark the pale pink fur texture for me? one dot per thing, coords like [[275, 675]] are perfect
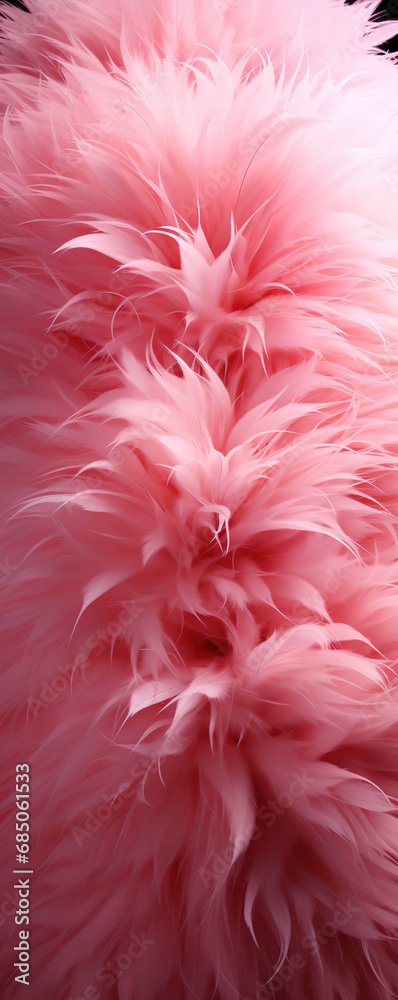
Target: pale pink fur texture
[[199, 245]]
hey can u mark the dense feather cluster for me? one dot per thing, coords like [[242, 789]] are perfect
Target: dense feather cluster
[[199, 250]]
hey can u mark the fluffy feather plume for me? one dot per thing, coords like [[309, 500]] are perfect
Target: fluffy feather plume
[[199, 249]]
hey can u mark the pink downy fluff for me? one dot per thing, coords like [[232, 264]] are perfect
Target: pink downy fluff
[[199, 221]]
